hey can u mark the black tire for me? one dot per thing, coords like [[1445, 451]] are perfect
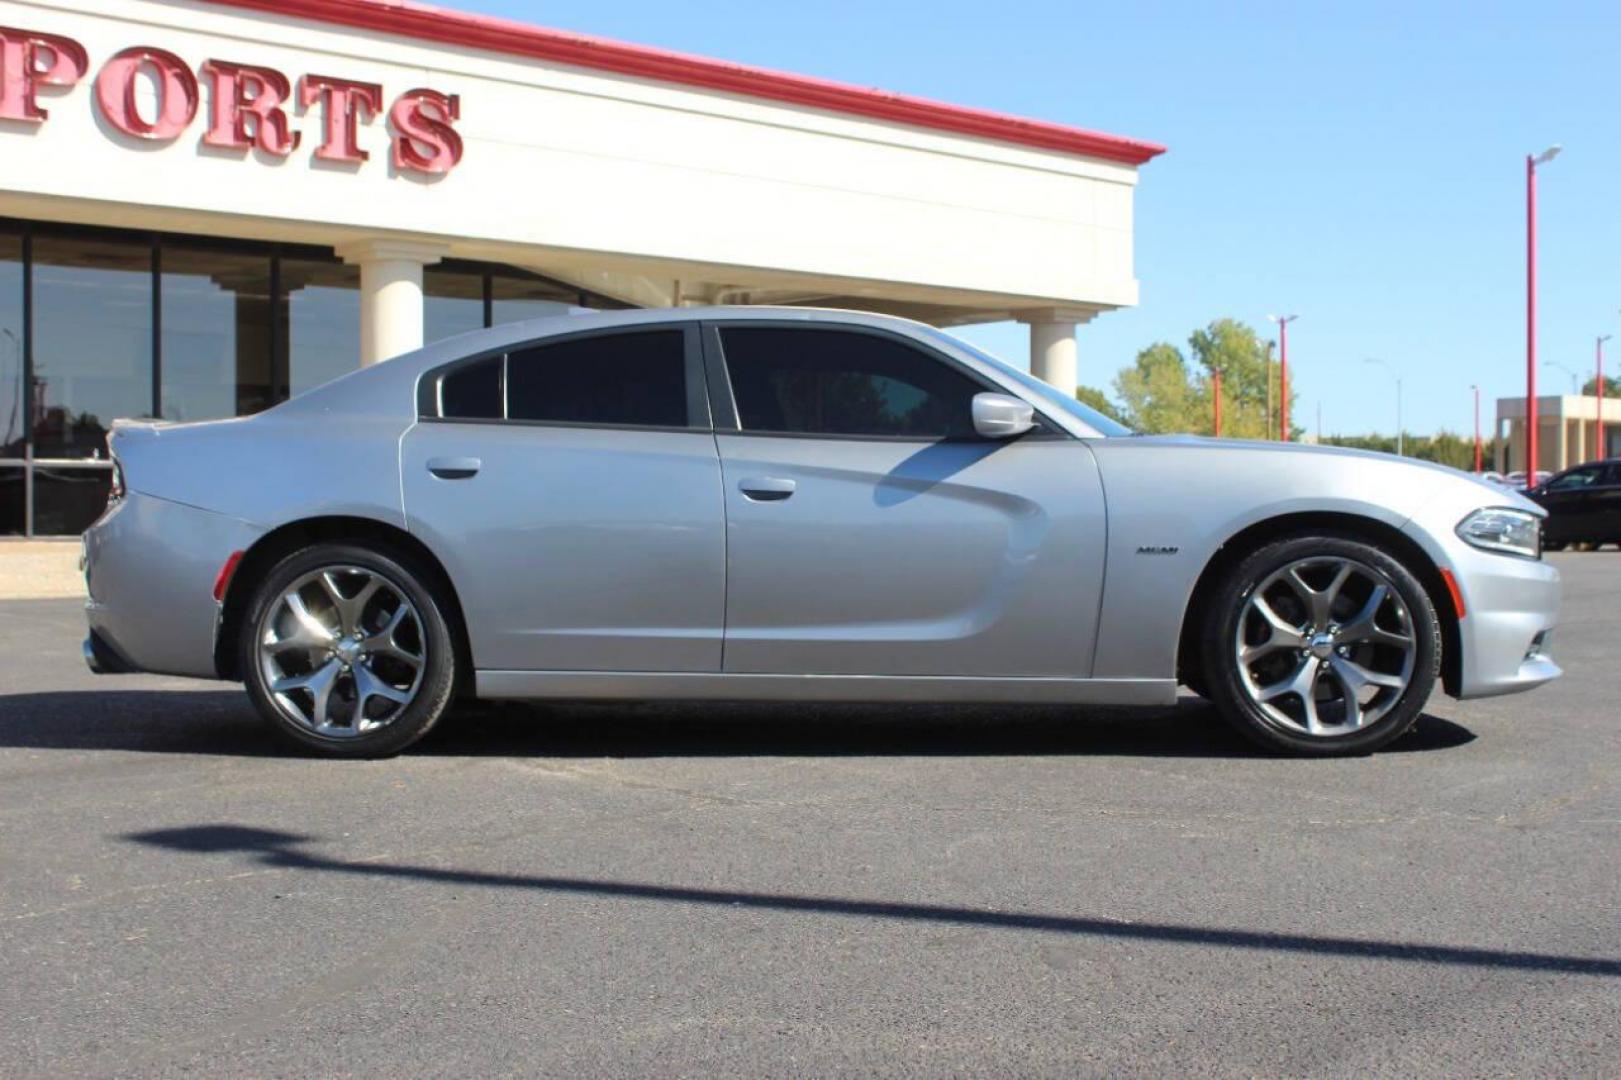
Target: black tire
[[429, 631], [1400, 707]]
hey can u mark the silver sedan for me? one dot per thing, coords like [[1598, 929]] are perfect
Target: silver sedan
[[783, 504]]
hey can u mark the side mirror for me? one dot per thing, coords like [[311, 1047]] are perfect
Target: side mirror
[[1002, 416]]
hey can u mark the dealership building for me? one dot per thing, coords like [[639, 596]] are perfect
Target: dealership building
[[1569, 431], [209, 205]]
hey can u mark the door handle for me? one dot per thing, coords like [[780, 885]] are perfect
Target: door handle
[[767, 488], [454, 468]]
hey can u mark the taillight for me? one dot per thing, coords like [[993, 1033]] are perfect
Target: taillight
[[115, 491]]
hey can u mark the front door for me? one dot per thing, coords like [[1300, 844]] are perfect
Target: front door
[[572, 489], [871, 532]]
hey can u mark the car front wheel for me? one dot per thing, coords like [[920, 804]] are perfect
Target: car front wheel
[[346, 650], [1321, 645]]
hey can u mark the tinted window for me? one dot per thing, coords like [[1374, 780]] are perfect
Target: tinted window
[[472, 392], [1577, 478], [832, 382], [635, 378]]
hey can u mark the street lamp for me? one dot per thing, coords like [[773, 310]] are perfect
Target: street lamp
[[1476, 389], [1598, 388], [1401, 445], [1531, 421], [1283, 322]]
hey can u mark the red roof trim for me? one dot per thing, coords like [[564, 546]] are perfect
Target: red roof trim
[[427, 23]]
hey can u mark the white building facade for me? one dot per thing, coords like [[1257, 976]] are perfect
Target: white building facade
[[209, 205]]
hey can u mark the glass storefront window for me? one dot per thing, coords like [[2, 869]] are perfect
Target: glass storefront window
[[239, 327], [13, 489], [92, 341], [452, 302], [13, 421], [514, 299], [215, 341], [323, 319], [68, 498]]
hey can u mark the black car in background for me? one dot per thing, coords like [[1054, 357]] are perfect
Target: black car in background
[[1584, 505]]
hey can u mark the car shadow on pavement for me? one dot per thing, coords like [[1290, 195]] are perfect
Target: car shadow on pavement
[[223, 723], [290, 851]]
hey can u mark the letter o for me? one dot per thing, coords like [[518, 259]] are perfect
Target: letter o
[[177, 93]]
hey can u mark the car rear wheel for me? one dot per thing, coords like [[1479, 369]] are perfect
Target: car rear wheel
[[346, 650], [1321, 645]]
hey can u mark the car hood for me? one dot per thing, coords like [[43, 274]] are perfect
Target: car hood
[[1495, 494]]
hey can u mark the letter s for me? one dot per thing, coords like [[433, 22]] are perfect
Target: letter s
[[424, 140]]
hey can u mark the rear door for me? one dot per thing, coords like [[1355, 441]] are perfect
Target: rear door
[[871, 532], [572, 489]]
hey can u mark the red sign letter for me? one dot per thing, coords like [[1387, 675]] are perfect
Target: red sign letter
[[344, 105], [424, 141], [29, 61], [239, 93], [177, 93]]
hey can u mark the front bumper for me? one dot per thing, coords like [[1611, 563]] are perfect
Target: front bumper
[[1511, 610], [150, 566]]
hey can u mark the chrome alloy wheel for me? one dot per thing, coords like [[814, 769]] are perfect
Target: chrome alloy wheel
[[1325, 646], [341, 651]]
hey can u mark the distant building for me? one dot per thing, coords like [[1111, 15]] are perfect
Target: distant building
[[1568, 426]]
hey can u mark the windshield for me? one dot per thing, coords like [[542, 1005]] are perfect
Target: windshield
[[1049, 395]]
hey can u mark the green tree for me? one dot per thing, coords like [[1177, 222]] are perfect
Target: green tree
[[1612, 386], [1163, 392], [1097, 399], [1245, 362], [1157, 393]]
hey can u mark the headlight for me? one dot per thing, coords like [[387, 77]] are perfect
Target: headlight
[[1497, 528]]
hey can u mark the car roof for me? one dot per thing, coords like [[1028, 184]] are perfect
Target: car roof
[[517, 333], [391, 386]]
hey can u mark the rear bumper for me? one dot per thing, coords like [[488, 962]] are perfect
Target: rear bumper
[[150, 566], [102, 659]]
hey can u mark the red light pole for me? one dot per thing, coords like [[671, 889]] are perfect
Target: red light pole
[[1531, 419], [1598, 388], [1216, 381], [1476, 389], [1283, 322]]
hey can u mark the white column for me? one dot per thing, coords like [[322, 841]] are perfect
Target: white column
[[1052, 345], [390, 294]]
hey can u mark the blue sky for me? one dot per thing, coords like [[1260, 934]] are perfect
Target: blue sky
[[1362, 165]]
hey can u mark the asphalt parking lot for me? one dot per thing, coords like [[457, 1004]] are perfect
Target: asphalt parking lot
[[747, 891]]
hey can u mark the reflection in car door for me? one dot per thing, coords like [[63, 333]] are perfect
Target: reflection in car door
[[572, 490], [869, 532]]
